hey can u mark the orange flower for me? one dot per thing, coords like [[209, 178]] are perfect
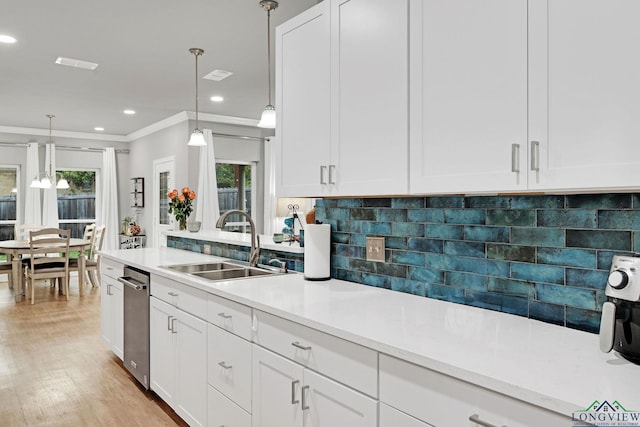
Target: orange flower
[[181, 197], [185, 190], [192, 195], [173, 194]]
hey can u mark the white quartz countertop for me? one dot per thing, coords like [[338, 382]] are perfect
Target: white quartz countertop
[[240, 239], [553, 367]]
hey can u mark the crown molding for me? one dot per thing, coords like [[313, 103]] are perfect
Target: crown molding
[[180, 117]]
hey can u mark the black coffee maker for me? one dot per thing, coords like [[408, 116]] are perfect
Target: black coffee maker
[[620, 323]]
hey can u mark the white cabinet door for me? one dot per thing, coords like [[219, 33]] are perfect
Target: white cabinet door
[[277, 384], [191, 352], [468, 96], [162, 345], [370, 60], [303, 103], [326, 403], [585, 93], [117, 296], [112, 315], [390, 417], [224, 412]]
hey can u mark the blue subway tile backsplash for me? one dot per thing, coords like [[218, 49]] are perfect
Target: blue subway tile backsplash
[[541, 256]]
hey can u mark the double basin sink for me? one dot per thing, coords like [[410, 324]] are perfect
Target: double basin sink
[[217, 271]]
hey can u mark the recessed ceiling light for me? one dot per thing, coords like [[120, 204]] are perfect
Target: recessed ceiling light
[[129, 112], [218, 75], [76, 63], [217, 98], [7, 39], [98, 128]]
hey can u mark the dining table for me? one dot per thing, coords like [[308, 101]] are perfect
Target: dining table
[[14, 249]]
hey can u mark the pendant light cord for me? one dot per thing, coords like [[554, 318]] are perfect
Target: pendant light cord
[[197, 125], [269, 53], [50, 172]]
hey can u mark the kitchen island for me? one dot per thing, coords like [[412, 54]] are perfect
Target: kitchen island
[[552, 369]]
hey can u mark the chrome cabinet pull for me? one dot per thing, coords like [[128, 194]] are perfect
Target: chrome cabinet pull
[[322, 169], [254, 323], [535, 156], [225, 316], [296, 344], [109, 290], [173, 294], [294, 401], [304, 398], [224, 365], [173, 326], [475, 418], [515, 158], [169, 323], [332, 169]]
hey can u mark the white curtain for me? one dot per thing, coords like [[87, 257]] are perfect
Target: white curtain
[[207, 206], [269, 185], [109, 202], [32, 212], [50, 195]]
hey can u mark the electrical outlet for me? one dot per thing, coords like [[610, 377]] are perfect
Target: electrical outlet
[[207, 249], [375, 249]]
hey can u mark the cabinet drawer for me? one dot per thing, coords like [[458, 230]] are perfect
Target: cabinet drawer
[[230, 315], [442, 400], [111, 268], [223, 412], [346, 362], [186, 298], [390, 417], [229, 367]]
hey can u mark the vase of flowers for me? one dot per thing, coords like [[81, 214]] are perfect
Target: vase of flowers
[[180, 205]]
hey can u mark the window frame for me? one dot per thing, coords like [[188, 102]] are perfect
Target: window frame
[[97, 195], [18, 194]]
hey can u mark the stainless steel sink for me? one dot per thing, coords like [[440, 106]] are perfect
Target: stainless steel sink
[[211, 266], [217, 271], [237, 273]]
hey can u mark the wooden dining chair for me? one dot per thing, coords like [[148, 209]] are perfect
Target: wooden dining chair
[[92, 266], [92, 233], [49, 258], [21, 232], [7, 268]]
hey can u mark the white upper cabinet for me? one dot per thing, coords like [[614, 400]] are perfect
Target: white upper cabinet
[[468, 96], [370, 61], [510, 95], [585, 93], [303, 95], [342, 100]]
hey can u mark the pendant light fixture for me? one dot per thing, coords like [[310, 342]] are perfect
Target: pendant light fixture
[[197, 137], [268, 119], [47, 181]]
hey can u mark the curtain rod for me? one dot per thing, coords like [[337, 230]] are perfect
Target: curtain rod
[[225, 135], [64, 147]]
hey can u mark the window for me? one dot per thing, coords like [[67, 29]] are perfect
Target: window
[[8, 200], [77, 204], [235, 191], [163, 212]]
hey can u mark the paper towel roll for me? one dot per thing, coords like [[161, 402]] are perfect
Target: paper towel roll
[[317, 252]]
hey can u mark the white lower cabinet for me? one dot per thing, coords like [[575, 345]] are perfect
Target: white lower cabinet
[[390, 417], [112, 307], [441, 400], [222, 412], [178, 360], [287, 395]]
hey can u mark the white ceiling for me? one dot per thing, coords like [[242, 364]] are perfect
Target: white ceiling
[[142, 48]]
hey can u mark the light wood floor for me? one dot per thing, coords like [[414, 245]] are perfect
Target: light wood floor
[[55, 371]]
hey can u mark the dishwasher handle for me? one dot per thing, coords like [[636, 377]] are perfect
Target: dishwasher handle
[[128, 281]]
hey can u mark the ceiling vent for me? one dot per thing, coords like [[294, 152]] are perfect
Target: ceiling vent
[[218, 75], [76, 63]]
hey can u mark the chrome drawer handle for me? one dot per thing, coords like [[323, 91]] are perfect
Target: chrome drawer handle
[[304, 398], [225, 366], [296, 344], [535, 156], [515, 158], [169, 323], [475, 418], [225, 316], [173, 326], [294, 401], [322, 169], [173, 294]]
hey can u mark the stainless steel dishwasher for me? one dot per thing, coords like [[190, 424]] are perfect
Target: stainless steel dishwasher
[[136, 323]]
